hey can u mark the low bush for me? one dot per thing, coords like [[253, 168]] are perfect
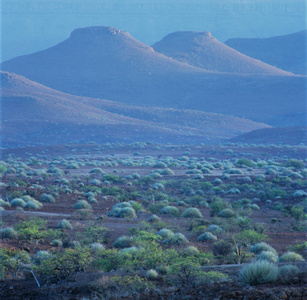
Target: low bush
[[288, 273], [165, 233], [64, 224], [290, 257], [83, 204], [126, 212], [259, 272], [170, 210], [18, 202], [176, 239], [8, 233], [57, 243], [192, 212], [152, 274], [47, 198], [226, 213], [260, 247], [123, 242], [268, 256], [207, 236], [153, 219]]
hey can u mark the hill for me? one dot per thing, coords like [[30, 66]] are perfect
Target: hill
[[33, 114], [202, 50], [288, 52], [107, 63], [286, 136]]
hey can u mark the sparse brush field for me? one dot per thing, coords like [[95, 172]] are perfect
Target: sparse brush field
[[146, 221]]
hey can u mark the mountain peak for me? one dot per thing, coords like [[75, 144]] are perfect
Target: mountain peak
[[97, 32]]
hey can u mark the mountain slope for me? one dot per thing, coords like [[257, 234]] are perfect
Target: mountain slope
[[201, 49], [106, 63], [34, 114], [288, 52]]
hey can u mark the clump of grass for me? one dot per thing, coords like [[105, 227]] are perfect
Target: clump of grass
[[259, 272], [152, 274], [83, 204], [165, 233], [268, 256], [47, 198], [263, 246], [8, 233], [64, 224], [288, 273]]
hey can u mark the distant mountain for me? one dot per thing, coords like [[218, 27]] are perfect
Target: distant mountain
[[107, 63], [34, 114], [202, 50], [288, 52], [285, 135]]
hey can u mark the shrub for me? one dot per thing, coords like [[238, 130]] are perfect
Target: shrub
[[165, 233], [126, 212], [8, 233], [153, 219], [211, 276], [191, 250], [176, 239], [291, 256], [268, 256], [170, 210], [97, 246], [192, 212], [83, 204], [47, 198], [4, 204], [151, 274], [207, 236], [289, 273], [260, 247], [57, 243], [33, 204], [259, 272], [215, 229], [123, 242], [122, 205], [64, 224], [18, 202], [222, 248], [226, 213]]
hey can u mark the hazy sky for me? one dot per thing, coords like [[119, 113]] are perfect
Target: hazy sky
[[31, 25]]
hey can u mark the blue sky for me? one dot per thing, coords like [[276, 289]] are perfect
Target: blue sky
[[31, 25]]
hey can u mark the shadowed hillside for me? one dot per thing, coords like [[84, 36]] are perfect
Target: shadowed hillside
[[34, 114], [287, 136], [288, 52], [107, 63], [202, 50]]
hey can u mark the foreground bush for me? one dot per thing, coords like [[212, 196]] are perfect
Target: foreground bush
[[8, 233], [289, 273], [259, 272], [268, 256], [260, 247]]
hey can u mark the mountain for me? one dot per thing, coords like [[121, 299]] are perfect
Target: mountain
[[288, 52], [286, 136], [202, 50], [107, 63], [33, 114]]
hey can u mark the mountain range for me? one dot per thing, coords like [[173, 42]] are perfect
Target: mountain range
[[288, 52], [35, 114], [107, 63]]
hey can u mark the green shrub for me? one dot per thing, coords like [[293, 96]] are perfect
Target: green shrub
[[97, 246], [33, 204], [64, 224], [176, 239], [260, 247], [83, 204], [8, 233], [47, 198], [18, 202], [4, 204], [291, 256], [57, 243], [211, 276], [268, 256], [170, 210], [288, 273], [191, 250], [259, 272], [165, 233], [126, 212], [153, 219], [215, 229], [222, 248], [123, 242], [226, 213], [207, 236], [151, 274], [192, 212]]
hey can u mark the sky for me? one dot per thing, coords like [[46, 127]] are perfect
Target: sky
[[29, 26]]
